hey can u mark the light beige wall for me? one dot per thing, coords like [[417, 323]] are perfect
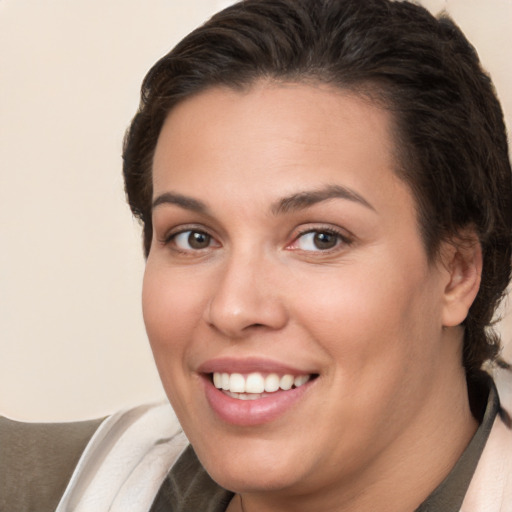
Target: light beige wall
[[72, 342]]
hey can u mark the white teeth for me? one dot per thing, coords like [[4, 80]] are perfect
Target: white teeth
[[253, 385], [299, 381], [236, 383], [217, 380], [244, 396], [286, 382], [272, 383]]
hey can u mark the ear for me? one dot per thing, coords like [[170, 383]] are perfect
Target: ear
[[462, 258]]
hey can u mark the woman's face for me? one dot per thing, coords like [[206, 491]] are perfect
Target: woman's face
[[286, 250]]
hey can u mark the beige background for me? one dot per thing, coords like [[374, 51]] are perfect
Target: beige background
[[72, 342]]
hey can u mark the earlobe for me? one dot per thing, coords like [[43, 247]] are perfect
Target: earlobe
[[463, 260]]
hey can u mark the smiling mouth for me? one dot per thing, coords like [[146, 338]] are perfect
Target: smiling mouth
[[256, 385]]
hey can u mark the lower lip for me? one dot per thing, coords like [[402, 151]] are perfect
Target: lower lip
[[252, 412]]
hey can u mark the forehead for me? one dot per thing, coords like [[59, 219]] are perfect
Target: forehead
[[268, 138]]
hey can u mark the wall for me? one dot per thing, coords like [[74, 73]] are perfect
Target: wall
[[72, 342]]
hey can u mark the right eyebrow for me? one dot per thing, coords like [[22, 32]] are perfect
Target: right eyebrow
[[305, 199], [186, 202]]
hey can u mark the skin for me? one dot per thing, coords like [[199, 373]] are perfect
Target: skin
[[388, 416]]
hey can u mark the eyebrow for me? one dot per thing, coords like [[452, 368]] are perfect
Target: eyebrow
[[307, 198], [188, 203], [298, 201]]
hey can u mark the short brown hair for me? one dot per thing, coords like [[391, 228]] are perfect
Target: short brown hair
[[450, 135]]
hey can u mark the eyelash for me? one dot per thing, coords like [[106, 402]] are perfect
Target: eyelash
[[341, 239], [169, 238]]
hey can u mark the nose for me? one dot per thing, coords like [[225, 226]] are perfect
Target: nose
[[247, 297]]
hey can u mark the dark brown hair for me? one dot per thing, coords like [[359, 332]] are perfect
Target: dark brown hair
[[450, 135]]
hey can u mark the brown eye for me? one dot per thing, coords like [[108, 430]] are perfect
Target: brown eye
[[325, 240], [192, 240], [318, 240], [198, 240]]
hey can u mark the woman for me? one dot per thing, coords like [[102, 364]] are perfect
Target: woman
[[325, 193]]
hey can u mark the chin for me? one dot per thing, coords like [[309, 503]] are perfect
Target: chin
[[253, 480], [246, 469]]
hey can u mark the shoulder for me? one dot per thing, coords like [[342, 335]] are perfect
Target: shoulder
[[37, 461]]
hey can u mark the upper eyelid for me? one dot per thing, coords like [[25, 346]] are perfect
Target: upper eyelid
[[165, 224], [304, 228], [169, 241], [166, 239], [183, 228], [345, 239], [342, 233]]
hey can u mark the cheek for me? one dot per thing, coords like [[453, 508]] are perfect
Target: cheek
[[372, 329], [366, 316], [171, 309], [172, 312], [348, 305]]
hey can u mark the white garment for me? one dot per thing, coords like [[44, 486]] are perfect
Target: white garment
[[125, 462]]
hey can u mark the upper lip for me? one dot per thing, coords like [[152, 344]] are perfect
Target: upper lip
[[249, 365]]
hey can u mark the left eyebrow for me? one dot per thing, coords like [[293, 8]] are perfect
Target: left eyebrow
[[307, 198], [185, 202]]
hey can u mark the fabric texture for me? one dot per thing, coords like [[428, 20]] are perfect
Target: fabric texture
[[37, 461], [125, 461], [188, 487]]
